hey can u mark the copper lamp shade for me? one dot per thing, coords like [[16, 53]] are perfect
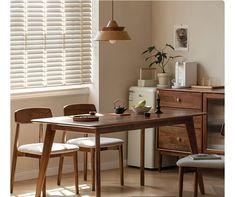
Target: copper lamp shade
[[112, 32]]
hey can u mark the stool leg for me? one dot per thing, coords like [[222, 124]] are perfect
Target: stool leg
[[200, 182], [121, 164], [195, 183], [181, 180]]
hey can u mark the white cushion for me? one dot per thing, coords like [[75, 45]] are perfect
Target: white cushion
[[209, 163], [57, 148], [89, 142]]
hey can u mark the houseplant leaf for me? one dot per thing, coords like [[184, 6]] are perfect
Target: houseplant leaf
[[176, 56], [159, 58], [152, 64], [164, 55], [149, 49], [168, 45], [158, 54]]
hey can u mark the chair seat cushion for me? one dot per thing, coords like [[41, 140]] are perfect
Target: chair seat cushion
[[89, 142], [209, 163], [57, 148]]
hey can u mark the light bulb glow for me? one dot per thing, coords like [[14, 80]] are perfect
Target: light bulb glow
[[112, 41]]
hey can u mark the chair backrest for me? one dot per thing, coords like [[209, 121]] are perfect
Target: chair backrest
[[24, 116], [75, 109]]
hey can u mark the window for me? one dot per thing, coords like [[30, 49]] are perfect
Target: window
[[51, 43]]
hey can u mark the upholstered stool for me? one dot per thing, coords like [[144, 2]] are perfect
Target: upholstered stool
[[187, 163]]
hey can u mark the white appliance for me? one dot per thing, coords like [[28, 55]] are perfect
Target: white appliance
[[133, 158], [185, 74]]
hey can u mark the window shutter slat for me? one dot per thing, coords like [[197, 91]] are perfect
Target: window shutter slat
[[51, 43]]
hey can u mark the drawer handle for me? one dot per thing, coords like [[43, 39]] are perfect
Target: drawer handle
[[179, 139], [178, 99]]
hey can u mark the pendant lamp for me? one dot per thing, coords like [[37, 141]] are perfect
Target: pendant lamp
[[112, 32]]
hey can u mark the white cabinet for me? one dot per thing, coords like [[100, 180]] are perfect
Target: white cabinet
[[137, 94]]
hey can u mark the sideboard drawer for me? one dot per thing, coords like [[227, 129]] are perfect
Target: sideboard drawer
[[175, 138], [197, 122], [181, 99]]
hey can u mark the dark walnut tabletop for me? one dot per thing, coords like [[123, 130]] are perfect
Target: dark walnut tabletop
[[109, 121]]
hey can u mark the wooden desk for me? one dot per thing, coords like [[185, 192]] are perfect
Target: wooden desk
[[111, 123]]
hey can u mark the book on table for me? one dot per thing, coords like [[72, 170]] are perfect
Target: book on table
[[202, 156]]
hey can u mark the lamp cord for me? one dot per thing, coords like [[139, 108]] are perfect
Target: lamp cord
[[112, 9]]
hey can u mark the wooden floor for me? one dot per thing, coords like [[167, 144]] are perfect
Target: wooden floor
[[164, 184]]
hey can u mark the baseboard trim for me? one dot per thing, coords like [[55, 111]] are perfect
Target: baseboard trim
[[67, 168]]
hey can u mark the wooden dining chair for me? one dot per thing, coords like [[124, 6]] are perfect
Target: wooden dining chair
[[34, 150], [188, 164], [87, 144]]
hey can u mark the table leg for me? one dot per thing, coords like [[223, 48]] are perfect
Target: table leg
[[48, 141], [142, 146], [193, 143], [191, 135], [97, 165]]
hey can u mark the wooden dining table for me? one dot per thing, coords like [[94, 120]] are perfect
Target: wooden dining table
[[111, 123]]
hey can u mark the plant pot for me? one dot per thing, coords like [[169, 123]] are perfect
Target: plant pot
[[163, 79]]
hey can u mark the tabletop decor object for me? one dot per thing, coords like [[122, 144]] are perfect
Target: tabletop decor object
[[140, 107], [141, 110], [203, 156], [85, 118], [119, 106], [207, 86], [147, 114], [148, 77], [158, 107]]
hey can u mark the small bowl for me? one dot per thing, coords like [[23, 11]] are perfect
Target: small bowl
[[141, 110], [147, 114]]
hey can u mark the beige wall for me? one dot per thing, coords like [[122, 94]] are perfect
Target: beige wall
[[206, 33], [119, 63]]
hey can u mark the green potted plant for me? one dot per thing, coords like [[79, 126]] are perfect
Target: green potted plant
[[160, 57]]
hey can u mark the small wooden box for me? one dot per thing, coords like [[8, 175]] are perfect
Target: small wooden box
[[147, 77]]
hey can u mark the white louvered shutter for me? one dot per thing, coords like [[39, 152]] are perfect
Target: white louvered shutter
[[50, 43]]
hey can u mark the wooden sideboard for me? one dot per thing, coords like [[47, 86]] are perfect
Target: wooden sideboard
[[172, 140]]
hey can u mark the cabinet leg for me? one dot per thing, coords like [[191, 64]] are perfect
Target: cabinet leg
[[159, 161]]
